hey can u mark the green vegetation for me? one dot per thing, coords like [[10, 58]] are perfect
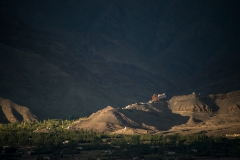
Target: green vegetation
[[59, 140]]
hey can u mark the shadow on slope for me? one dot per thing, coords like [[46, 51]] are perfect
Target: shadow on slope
[[3, 118], [154, 115], [18, 116]]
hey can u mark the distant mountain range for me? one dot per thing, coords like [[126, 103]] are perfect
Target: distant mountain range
[[69, 59]]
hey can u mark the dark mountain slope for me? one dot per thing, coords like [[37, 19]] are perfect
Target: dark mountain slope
[[116, 52], [221, 76], [173, 39], [57, 81], [192, 34]]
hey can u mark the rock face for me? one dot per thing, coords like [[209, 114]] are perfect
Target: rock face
[[11, 109], [212, 114]]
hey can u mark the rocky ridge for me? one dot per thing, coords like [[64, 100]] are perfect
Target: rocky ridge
[[14, 112]]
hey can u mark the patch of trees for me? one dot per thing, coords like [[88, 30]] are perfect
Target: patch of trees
[[61, 139]]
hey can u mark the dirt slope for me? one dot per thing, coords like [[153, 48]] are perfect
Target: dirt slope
[[14, 112]]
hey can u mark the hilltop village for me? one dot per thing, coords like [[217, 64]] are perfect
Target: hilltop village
[[157, 97]]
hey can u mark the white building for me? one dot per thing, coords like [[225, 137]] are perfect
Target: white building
[[162, 96]]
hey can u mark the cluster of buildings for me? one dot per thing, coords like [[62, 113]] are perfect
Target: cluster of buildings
[[156, 97]]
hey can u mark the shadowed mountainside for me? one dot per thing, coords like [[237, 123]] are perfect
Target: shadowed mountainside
[[181, 38], [57, 81], [71, 58]]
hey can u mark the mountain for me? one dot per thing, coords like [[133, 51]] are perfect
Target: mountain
[[185, 114], [12, 112], [71, 58]]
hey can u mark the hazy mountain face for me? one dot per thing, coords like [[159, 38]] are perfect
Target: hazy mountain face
[[79, 56]]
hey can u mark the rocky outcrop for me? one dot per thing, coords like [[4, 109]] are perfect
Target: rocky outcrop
[[8, 108], [189, 103]]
